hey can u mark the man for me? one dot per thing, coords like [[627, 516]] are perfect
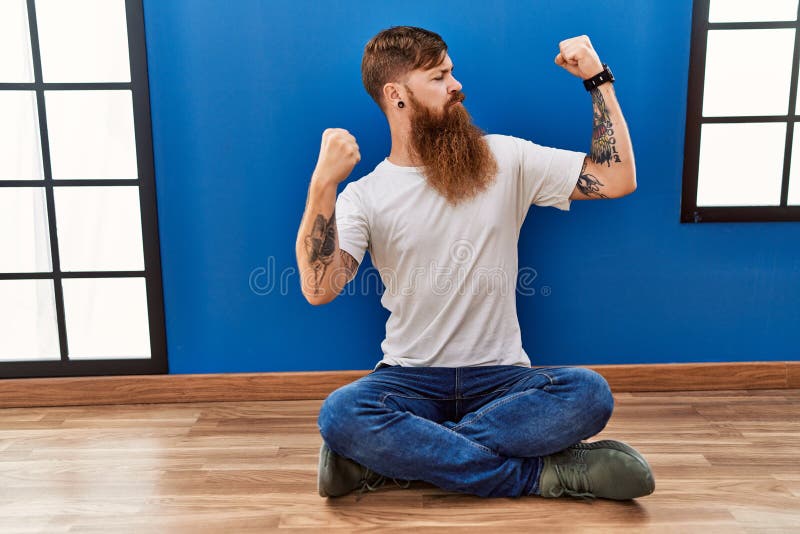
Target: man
[[455, 401]]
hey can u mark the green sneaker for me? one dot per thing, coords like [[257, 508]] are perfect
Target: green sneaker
[[607, 469], [337, 475]]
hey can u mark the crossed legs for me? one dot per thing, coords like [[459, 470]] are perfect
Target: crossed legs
[[478, 430]]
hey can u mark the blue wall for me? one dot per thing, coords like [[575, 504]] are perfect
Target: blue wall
[[241, 92]]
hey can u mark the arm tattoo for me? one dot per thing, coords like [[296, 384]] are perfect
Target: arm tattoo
[[320, 246], [349, 263], [603, 149], [588, 184]]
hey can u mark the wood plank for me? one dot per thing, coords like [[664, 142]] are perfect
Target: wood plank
[[147, 389], [793, 374], [695, 376], [242, 387]]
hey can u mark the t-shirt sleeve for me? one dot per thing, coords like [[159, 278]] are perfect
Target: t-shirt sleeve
[[549, 175], [352, 224]]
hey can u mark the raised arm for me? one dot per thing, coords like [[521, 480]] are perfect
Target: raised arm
[[324, 268], [610, 170]]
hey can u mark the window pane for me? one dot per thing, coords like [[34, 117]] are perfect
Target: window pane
[[20, 145], [16, 61], [741, 164], [797, 100], [106, 318], [91, 134], [28, 329], [748, 72], [24, 233], [751, 11], [83, 40], [794, 169], [99, 228]]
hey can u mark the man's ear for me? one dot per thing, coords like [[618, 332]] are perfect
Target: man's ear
[[391, 94]]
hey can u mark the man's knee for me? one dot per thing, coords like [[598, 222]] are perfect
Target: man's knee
[[338, 416], [334, 413], [597, 398]]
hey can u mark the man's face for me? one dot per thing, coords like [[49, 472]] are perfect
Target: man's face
[[435, 89], [455, 157]]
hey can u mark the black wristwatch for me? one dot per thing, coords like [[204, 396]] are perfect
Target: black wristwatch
[[604, 76]]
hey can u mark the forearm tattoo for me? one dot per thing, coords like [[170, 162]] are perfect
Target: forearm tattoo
[[320, 246], [588, 184], [603, 141]]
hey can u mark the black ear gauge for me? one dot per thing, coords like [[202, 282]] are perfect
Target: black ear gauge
[[401, 104]]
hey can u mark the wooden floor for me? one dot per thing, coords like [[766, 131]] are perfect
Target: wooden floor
[[724, 462]]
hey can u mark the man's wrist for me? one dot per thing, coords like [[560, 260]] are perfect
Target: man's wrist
[[601, 78], [321, 184], [595, 71]]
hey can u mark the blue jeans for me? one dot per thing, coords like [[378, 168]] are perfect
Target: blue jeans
[[477, 430]]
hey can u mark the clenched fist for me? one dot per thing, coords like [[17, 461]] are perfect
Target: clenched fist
[[578, 57], [337, 156]]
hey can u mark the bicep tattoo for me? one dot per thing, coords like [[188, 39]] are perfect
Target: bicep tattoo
[[349, 264], [588, 184]]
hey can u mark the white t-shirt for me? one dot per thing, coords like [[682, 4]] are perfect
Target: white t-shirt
[[450, 273]]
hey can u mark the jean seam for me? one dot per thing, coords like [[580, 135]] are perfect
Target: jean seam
[[482, 413], [535, 490], [385, 395], [469, 441], [550, 378], [390, 394]]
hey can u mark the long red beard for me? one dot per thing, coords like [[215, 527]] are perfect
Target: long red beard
[[455, 157]]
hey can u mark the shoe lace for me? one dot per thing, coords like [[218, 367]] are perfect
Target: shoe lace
[[573, 478], [371, 481]]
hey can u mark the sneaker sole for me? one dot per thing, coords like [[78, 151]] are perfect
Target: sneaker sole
[[323, 459]]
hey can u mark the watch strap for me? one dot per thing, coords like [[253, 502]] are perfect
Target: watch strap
[[604, 76]]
